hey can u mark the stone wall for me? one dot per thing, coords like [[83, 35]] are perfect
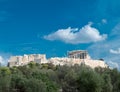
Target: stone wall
[[23, 60], [74, 57], [72, 61]]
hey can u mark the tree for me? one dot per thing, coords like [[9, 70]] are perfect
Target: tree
[[5, 79], [4, 71], [32, 64], [115, 79], [89, 81], [107, 86], [70, 82], [35, 85]]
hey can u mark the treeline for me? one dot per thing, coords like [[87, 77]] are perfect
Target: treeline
[[49, 78]]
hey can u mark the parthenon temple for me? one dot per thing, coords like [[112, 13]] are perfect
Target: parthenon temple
[[78, 54]]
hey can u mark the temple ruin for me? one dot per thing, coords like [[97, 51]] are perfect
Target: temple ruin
[[74, 57]]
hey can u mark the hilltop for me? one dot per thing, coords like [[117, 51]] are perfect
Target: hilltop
[[74, 57]]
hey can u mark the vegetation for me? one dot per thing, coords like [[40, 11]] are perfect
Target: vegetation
[[49, 78]]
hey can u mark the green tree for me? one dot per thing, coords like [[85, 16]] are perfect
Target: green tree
[[107, 86], [70, 82], [32, 64], [89, 81], [4, 71], [115, 78], [5, 79], [35, 85]]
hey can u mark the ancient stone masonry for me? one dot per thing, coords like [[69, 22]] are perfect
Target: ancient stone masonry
[[78, 57], [23, 60], [74, 57], [78, 54]]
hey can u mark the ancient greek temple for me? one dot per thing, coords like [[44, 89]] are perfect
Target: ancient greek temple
[[78, 54]]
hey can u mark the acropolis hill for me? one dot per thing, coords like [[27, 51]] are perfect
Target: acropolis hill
[[74, 57]]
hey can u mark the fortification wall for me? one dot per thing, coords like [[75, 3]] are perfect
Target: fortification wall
[[23, 60], [72, 61], [74, 57]]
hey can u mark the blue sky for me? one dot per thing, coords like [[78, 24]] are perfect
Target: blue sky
[[57, 26]]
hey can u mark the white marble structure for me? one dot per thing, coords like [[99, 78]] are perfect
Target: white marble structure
[[78, 54], [74, 57], [23, 60], [72, 61], [78, 57]]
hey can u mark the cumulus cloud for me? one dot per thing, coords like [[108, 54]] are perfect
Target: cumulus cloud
[[4, 58], [103, 49], [104, 21], [116, 30], [3, 61], [86, 34], [115, 51], [113, 64]]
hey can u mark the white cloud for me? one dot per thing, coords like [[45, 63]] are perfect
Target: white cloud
[[104, 21], [116, 30], [3, 61], [115, 51], [103, 49], [4, 58], [113, 64], [86, 34]]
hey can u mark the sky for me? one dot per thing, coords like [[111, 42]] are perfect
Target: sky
[[53, 27]]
